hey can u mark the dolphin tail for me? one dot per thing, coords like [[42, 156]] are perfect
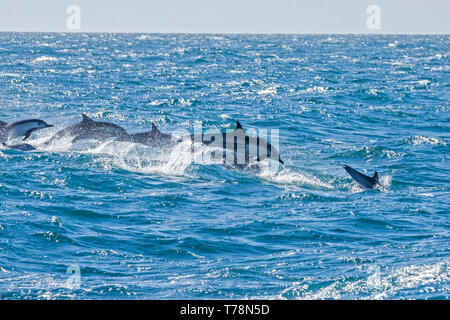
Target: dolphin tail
[[363, 180]]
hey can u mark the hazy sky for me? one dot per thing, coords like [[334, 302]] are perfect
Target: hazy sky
[[228, 16]]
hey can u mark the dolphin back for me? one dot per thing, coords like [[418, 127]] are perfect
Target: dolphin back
[[152, 138]]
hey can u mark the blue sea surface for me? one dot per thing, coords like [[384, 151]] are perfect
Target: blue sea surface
[[110, 220]]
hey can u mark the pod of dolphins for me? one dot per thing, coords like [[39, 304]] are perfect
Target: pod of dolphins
[[88, 128]]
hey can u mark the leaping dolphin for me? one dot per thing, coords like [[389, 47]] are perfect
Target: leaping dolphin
[[90, 129], [242, 145], [19, 129], [363, 180]]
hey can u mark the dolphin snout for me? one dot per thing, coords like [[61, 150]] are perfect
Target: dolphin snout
[[49, 125]]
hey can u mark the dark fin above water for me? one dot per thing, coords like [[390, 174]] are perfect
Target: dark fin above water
[[363, 180], [239, 126], [86, 118], [154, 128]]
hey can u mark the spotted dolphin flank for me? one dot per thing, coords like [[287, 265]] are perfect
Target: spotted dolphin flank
[[364, 181], [87, 128]]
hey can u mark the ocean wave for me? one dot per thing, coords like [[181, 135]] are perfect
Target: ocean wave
[[378, 284], [370, 152]]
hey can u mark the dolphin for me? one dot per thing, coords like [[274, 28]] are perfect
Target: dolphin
[[152, 138], [19, 129], [243, 145], [364, 181], [20, 146], [89, 129]]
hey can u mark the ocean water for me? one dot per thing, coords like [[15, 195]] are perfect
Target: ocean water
[[110, 220]]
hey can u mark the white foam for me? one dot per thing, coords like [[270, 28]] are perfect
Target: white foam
[[419, 140], [291, 178], [138, 158], [385, 182], [10, 74], [318, 89], [225, 116], [45, 59], [376, 284], [59, 145], [423, 82], [268, 91]]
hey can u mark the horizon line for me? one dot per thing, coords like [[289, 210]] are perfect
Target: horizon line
[[227, 33]]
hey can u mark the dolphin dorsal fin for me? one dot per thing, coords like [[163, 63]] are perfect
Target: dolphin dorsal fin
[[239, 126], [375, 175], [154, 128], [86, 118]]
